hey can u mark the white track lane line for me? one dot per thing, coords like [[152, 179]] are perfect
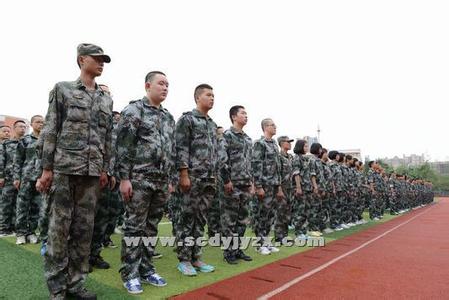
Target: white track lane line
[[333, 261]]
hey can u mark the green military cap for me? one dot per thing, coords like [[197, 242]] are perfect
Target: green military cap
[[92, 50], [284, 138]]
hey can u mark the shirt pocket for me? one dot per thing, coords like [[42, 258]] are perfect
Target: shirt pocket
[[78, 109]]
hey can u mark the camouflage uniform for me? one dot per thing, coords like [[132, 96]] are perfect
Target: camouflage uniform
[[315, 214], [266, 166], [347, 199], [284, 210], [339, 197], [301, 204], [145, 155], [29, 201], [77, 146], [214, 212], [236, 168], [9, 192], [197, 151], [353, 195], [328, 198], [376, 200]]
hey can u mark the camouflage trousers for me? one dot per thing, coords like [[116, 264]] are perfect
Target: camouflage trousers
[[283, 214], [325, 211], [174, 209], [394, 205], [266, 212], [71, 207], [375, 207], [234, 218], [194, 206], [143, 214], [28, 209], [314, 211], [253, 211], [8, 207], [335, 205], [348, 208], [101, 220], [213, 215], [299, 214], [115, 212], [360, 206], [43, 224]]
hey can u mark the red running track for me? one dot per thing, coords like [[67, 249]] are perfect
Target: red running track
[[407, 257]]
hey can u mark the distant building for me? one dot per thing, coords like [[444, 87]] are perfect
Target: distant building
[[441, 167], [408, 161], [356, 153], [311, 139]]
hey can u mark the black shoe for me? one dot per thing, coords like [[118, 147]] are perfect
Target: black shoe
[[91, 269], [242, 255], [230, 259], [83, 294], [98, 262], [109, 244], [157, 254]]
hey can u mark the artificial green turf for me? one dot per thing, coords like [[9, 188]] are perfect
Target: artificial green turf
[[21, 270]]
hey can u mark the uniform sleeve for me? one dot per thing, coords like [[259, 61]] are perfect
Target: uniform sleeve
[[108, 144], [126, 142], [172, 174], [225, 168], [19, 159], [257, 163], [313, 167], [52, 127], [182, 140]]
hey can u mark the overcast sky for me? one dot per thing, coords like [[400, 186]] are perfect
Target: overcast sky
[[372, 74]]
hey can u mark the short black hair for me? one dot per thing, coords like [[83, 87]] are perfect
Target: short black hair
[[199, 89], [4, 125], [34, 117], [370, 163], [315, 148], [234, 111], [299, 147], [348, 157], [342, 156], [115, 113], [19, 121], [151, 75], [333, 154]]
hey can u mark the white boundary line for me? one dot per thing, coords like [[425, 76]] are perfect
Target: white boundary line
[[333, 261]]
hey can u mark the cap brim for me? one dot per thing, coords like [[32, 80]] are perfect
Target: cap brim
[[106, 58], [290, 141]]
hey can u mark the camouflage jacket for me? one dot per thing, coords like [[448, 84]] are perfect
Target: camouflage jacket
[[237, 151], [197, 145], [301, 168], [286, 169], [113, 160], [317, 171], [337, 176], [266, 163], [327, 177], [78, 130], [145, 142], [8, 152], [26, 161]]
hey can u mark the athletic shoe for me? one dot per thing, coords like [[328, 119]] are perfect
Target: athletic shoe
[[118, 230], [241, 255], [272, 249], [344, 226], [154, 279], [43, 248], [82, 294], [109, 244], [203, 267], [157, 255], [186, 268], [302, 236], [328, 230], [376, 219], [230, 259], [99, 262], [264, 250], [350, 224], [21, 240], [133, 286], [314, 234], [338, 228]]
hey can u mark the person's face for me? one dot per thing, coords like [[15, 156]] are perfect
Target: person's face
[[324, 156], [270, 128], [205, 99], [286, 146], [5, 133], [19, 129], [220, 132], [37, 124], [157, 88], [241, 117], [306, 147], [92, 65], [116, 118]]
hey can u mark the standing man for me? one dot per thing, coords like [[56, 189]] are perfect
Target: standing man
[[284, 210], [237, 177], [145, 162], [5, 132], [9, 191], [75, 161], [26, 172], [196, 161], [266, 167]]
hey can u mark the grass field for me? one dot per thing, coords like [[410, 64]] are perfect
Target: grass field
[[21, 269]]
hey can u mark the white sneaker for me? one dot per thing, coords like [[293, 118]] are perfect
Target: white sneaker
[[302, 236], [376, 219], [328, 230], [350, 224], [32, 238], [264, 250], [363, 221], [272, 249], [359, 222], [21, 240], [344, 226], [118, 230]]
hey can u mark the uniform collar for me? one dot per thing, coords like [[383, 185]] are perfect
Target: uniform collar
[[234, 130], [80, 85], [198, 114], [146, 102]]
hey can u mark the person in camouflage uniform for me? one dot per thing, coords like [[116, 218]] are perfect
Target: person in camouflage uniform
[[338, 191], [284, 210], [9, 191], [26, 171], [329, 197], [363, 191], [213, 215], [197, 162], [5, 132], [236, 174], [351, 191], [75, 161], [315, 214], [374, 179], [146, 165], [266, 166], [393, 188], [302, 188]]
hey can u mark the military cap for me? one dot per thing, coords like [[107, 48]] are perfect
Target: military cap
[[284, 138], [92, 50]]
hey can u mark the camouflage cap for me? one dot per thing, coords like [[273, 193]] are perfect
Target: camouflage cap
[[92, 50], [284, 138]]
